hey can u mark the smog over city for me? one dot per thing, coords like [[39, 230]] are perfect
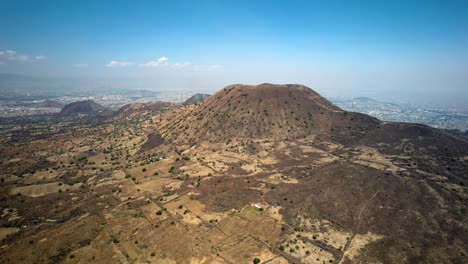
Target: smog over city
[[233, 131]]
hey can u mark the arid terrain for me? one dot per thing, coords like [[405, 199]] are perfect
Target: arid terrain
[[274, 172]]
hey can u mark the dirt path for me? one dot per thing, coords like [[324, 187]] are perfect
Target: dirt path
[[357, 223]]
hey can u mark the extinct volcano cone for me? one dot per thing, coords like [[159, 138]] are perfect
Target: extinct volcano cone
[[88, 107], [264, 111]]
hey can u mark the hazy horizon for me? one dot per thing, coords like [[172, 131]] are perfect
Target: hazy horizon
[[416, 51]]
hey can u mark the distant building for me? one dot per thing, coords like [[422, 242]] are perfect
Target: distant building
[[259, 207]]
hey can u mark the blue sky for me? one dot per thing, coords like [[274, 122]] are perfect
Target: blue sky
[[382, 49]]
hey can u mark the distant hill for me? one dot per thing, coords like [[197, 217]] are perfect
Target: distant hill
[[52, 104], [360, 101], [364, 99], [130, 110], [88, 107], [197, 98]]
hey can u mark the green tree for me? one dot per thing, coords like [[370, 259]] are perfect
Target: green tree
[[256, 260]]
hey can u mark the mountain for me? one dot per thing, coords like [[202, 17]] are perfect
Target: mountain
[[374, 180], [196, 98], [280, 112], [263, 111], [88, 107], [52, 104]]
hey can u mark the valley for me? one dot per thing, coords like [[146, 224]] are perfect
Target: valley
[[274, 172]]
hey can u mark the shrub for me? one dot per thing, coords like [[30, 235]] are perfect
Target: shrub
[[256, 260]]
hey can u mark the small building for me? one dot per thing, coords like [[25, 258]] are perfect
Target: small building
[[259, 207]]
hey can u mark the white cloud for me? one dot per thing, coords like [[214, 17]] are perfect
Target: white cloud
[[11, 55], [80, 65], [156, 63], [119, 64], [7, 54], [164, 61]]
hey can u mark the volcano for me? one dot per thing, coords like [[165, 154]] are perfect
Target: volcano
[[263, 111], [88, 107]]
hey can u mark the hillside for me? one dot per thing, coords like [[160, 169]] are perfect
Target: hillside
[[196, 98], [263, 111], [52, 104], [152, 108], [88, 107], [274, 172]]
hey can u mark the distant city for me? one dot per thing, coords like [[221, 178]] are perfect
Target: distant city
[[22, 106], [452, 119]]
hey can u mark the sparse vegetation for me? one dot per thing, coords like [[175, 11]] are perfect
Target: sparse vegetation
[[96, 179]]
